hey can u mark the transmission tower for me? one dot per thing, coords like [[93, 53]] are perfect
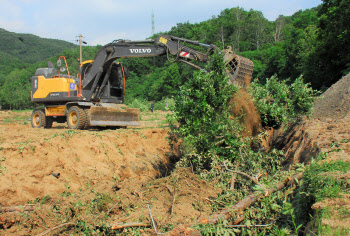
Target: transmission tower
[[153, 27]]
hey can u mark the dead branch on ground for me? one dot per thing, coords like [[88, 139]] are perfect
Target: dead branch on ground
[[17, 208], [57, 227], [249, 200], [128, 225], [255, 180]]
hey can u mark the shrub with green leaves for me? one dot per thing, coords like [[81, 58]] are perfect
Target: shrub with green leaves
[[161, 105], [201, 111], [278, 102], [141, 103], [209, 135]]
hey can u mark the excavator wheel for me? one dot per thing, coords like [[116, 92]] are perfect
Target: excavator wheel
[[76, 118], [38, 118]]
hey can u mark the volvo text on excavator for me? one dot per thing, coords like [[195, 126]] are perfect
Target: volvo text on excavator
[[95, 97]]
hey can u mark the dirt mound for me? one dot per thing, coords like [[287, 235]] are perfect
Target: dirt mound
[[241, 105], [328, 132], [29, 157], [335, 102]]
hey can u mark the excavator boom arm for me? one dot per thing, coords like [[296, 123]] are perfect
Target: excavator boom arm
[[162, 45]]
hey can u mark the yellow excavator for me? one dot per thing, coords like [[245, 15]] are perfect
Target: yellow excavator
[[95, 97]]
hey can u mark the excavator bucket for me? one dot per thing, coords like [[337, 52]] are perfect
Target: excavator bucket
[[240, 69], [112, 116]]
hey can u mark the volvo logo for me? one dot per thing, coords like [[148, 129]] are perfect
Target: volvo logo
[[140, 50]]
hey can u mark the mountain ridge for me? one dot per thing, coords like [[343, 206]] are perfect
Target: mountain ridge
[[29, 48]]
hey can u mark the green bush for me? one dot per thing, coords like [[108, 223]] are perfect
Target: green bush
[[278, 102], [161, 105], [141, 103], [209, 136]]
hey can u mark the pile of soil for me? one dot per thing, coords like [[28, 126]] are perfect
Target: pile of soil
[[328, 131], [175, 199], [335, 102]]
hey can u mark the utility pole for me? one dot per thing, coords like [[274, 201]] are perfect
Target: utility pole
[[80, 43]]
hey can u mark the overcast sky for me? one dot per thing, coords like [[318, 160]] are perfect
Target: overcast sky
[[102, 21]]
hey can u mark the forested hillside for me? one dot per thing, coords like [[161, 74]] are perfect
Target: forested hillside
[[30, 48], [313, 43]]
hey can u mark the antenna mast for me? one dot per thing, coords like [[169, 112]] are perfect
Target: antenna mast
[[153, 27]]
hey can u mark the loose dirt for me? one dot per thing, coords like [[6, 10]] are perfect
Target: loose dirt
[[30, 156], [335, 102], [328, 130], [241, 106]]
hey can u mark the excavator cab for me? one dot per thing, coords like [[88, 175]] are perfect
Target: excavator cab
[[112, 88]]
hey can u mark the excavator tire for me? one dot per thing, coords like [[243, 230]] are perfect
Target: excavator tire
[[76, 118], [87, 119], [38, 118]]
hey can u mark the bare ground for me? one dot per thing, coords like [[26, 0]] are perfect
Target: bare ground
[[101, 158], [119, 169]]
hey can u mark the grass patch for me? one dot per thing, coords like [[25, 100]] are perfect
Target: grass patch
[[15, 119], [320, 181]]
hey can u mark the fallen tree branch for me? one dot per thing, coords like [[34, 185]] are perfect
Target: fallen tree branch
[[57, 227], [220, 142], [245, 203], [244, 174], [247, 226], [17, 208], [249, 200], [128, 225], [154, 225]]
